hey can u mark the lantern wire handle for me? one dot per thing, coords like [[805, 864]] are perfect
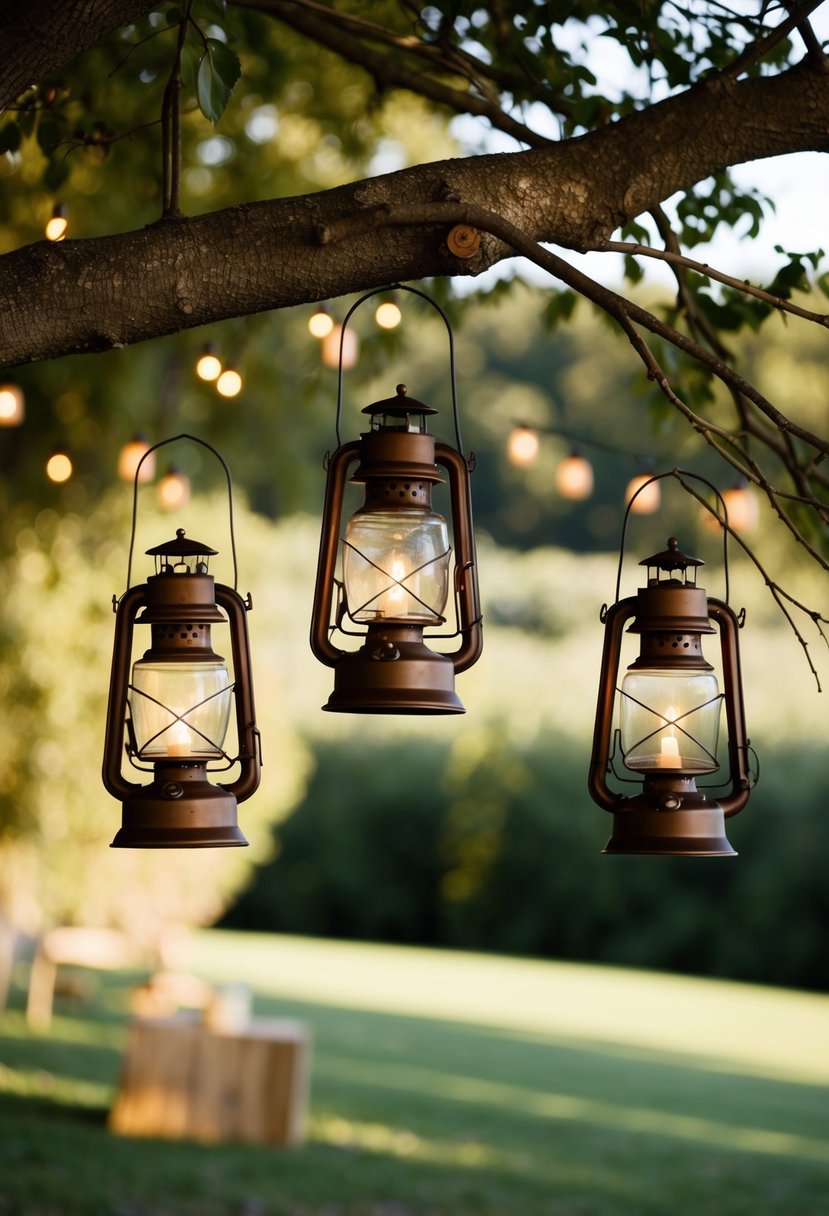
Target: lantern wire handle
[[162, 443], [453, 379], [678, 474]]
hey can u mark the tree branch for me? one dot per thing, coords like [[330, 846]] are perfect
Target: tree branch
[[387, 73], [39, 36]]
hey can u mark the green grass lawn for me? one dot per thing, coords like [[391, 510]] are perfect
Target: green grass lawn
[[448, 1084]]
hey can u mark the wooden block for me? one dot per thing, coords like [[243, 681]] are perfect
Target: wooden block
[[180, 1079]]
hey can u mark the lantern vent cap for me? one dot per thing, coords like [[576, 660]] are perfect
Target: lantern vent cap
[[672, 558], [181, 547], [399, 406]]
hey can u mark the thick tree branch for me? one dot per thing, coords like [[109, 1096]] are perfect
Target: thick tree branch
[[40, 36], [100, 293]]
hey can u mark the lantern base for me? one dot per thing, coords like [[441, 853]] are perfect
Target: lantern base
[[180, 809], [394, 673], [672, 819]]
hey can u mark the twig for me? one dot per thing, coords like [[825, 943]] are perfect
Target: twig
[[752, 54], [636, 249], [171, 129], [777, 592]]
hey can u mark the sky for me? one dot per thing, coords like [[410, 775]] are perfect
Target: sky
[[798, 184]]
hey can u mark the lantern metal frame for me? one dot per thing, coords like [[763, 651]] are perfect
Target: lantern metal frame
[[394, 671], [180, 807], [670, 815]]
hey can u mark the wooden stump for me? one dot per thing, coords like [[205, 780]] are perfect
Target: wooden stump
[[183, 1080]]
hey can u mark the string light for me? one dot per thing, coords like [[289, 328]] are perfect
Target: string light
[[57, 223], [130, 457], [388, 315], [12, 404], [574, 477], [650, 498], [59, 467], [320, 323], [208, 364], [331, 348], [174, 489], [742, 506], [229, 383], [522, 446]]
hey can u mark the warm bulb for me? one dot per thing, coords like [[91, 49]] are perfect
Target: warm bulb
[[522, 447], [12, 406], [648, 501], [331, 348], [388, 315], [59, 467], [574, 477], [173, 491], [742, 507], [56, 225], [229, 384], [129, 459], [208, 365], [320, 324]]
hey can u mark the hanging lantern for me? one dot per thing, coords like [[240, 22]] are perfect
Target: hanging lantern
[[669, 706], [175, 703], [396, 559]]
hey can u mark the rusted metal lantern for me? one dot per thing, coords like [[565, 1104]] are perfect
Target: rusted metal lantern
[[170, 709], [669, 708], [396, 558]]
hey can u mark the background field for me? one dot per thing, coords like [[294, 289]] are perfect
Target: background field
[[448, 1084]]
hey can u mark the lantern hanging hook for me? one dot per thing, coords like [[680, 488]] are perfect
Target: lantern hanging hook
[[450, 334], [162, 443], [678, 474]]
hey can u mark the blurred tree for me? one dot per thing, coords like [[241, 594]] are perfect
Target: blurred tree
[[298, 88]]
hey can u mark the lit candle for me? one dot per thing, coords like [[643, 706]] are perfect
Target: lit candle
[[669, 756], [180, 740]]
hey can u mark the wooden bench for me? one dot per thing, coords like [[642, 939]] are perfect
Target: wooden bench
[[182, 1079], [106, 949]]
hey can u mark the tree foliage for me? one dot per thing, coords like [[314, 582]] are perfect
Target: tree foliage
[[117, 117]]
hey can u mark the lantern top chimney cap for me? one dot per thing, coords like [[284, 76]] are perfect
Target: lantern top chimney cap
[[399, 406], [671, 558], [181, 547]]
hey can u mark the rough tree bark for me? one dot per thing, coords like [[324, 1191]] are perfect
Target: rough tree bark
[[100, 293]]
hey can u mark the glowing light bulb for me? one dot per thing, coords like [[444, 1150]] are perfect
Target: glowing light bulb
[[320, 323], [388, 315], [59, 467], [57, 224], [648, 501], [229, 384], [574, 477], [12, 405], [208, 364], [174, 490], [331, 348], [522, 447], [130, 457]]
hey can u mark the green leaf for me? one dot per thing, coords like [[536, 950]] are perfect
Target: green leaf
[[55, 174], [214, 9], [10, 137], [49, 135], [174, 15], [218, 72], [191, 57]]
